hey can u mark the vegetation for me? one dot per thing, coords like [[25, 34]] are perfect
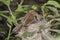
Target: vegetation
[[10, 18]]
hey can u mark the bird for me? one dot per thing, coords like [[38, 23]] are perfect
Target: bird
[[28, 18]]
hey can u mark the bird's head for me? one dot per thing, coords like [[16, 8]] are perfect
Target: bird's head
[[31, 11]]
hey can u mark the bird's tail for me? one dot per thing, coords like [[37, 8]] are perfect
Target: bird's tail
[[17, 29]]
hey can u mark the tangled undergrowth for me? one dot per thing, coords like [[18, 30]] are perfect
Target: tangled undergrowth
[[45, 26]]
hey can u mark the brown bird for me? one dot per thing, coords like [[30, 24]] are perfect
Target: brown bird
[[26, 20]]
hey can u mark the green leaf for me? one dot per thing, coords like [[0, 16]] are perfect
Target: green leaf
[[4, 16], [19, 9], [53, 9], [8, 25], [58, 37], [10, 20], [7, 2], [34, 7], [51, 0], [54, 3], [17, 38], [56, 30], [42, 27], [27, 34]]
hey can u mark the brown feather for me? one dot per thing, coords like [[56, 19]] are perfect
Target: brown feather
[[27, 19]]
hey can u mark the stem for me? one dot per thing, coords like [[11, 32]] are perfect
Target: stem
[[9, 33], [42, 8], [20, 5], [4, 12], [10, 12], [43, 13], [21, 2], [55, 30], [13, 17]]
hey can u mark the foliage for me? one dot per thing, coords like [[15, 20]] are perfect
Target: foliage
[[6, 2], [27, 34], [46, 13], [54, 3], [58, 37]]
